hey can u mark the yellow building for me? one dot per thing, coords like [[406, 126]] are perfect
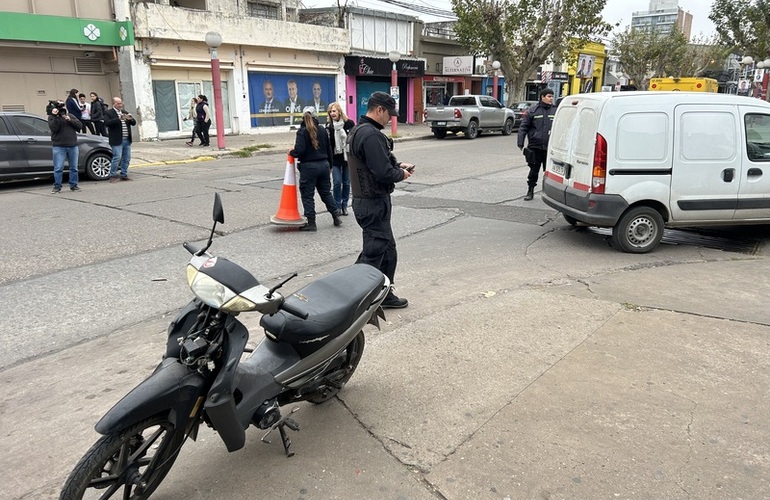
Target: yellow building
[[586, 74]]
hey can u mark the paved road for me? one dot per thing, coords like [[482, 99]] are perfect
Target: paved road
[[534, 360]]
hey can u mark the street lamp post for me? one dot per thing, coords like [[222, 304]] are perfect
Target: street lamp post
[[394, 56], [495, 67], [214, 40]]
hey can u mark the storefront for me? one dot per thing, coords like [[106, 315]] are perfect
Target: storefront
[[365, 75], [438, 89]]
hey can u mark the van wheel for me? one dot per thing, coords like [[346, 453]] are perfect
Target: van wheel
[[472, 131], [570, 220], [639, 230]]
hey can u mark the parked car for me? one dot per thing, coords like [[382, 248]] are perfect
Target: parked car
[[519, 111], [471, 115], [26, 150]]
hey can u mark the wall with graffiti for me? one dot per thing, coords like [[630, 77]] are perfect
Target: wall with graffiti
[[277, 99]]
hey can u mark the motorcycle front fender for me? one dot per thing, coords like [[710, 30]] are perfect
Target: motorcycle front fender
[[172, 386]]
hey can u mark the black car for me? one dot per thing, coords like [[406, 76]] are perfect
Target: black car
[[26, 150], [519, 110]]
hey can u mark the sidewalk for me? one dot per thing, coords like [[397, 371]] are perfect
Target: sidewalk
[[170, 151]]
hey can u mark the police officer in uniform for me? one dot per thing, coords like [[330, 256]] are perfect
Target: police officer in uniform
[[373, 172], [536, 128]]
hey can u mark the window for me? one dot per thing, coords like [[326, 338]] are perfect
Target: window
[[29, 125], [263, 10], [757, 137]]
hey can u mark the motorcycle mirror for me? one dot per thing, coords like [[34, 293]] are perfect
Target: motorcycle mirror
[[219, 213], [219, 216]]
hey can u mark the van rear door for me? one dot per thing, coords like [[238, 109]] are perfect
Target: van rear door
[[571, 144], [707, 164]]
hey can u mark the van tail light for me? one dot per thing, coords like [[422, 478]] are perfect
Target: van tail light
[[458, 113], [600, 165]]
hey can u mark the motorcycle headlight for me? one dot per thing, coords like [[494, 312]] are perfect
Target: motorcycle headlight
[[215, 294]]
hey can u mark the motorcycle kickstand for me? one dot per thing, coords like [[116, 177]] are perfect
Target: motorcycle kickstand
[[285, 421]]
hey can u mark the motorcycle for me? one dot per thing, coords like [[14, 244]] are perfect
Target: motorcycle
[[313, 343]]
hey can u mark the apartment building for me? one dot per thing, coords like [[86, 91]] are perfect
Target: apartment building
[[662, 16]]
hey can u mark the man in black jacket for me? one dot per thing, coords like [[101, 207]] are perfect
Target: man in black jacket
[[536, 127], [373, 172], [119, 122], [64, 137]]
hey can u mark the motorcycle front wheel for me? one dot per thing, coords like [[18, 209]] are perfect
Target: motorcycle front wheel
[[128, 465], [337, 377]]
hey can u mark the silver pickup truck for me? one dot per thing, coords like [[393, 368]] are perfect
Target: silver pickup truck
[[471, 115]]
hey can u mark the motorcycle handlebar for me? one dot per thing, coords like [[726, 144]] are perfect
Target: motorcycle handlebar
[[294, 311]]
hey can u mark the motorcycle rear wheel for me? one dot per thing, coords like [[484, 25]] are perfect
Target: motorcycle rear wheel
[[337, 377], [129, 464]]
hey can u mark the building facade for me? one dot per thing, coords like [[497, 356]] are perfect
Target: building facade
[[48, 48]]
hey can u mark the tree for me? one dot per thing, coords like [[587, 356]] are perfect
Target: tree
[[524, 34], [648, 54], [743, 25]]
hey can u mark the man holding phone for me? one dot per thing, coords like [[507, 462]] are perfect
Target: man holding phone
[[119, 123], [373, 174]]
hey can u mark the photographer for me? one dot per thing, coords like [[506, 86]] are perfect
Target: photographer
[[119, 122], [64, 135]]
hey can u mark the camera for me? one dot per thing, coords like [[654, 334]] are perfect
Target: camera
[[56, 105]]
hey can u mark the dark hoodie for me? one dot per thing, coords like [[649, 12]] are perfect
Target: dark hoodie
[[303, 146]]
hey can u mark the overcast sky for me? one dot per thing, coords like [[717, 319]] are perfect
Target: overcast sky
[[615, 11]]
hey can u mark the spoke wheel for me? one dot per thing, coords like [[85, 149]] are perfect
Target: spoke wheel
[[337, 377], [508, 127], [127, 465], [98, 167], [472, 131]]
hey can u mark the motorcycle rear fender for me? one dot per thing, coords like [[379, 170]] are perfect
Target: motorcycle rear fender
[[220, 403], [172, 386]]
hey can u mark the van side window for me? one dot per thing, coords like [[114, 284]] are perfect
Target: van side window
[[757, 136], [643, 136], [708, 136]]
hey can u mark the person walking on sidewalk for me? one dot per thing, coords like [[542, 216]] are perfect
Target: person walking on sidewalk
[[192, 115], [119, 122], [536, 127], [203, 119], [373, 174], [64, 137], [314, 152], [338, 127]]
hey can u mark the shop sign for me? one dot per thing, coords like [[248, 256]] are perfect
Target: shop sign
[[458, 65], [381, 66]]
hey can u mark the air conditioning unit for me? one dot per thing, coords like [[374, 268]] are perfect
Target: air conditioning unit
[[89, 54]]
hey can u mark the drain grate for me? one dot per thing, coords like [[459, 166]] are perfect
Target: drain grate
[[740, 239]]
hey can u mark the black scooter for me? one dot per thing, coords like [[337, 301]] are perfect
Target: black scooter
[[314, 341]]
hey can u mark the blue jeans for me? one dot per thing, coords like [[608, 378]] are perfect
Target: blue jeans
[[59, 154], [341, 181], [121, 155]]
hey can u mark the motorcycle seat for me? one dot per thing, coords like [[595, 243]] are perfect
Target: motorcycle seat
[[333, 303]]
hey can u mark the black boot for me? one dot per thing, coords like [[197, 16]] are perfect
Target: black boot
[[310, 225], [530, 194], [336, 218]]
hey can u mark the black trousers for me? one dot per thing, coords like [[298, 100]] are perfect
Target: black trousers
[[373, 215], [536, 161], [203, 132], [315, 175]]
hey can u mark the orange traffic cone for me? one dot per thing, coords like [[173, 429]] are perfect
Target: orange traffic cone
[[288, 213]]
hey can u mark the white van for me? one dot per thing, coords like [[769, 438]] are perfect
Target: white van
[[639, 161]]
